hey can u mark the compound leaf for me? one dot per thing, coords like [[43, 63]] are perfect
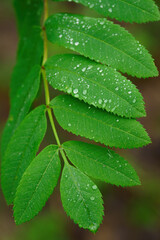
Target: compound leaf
[[81, 199], [21, 150], [101, 40], [21, 105], [95, 84], [126, 10], [37, 184], [101, 163], [87, 121]]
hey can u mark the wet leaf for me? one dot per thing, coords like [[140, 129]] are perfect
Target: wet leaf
[[126, 10], [94, 83], [101, 40], [81, 119], [80, 200]]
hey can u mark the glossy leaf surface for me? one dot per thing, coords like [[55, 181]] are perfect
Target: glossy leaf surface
[[95, 84], [81, 119], [101, 40], [126, 10], [37, 184], [81, 198], [101, 163]]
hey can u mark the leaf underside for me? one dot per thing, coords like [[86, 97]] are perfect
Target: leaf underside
[[28, 14], [30, 43], [21, 104], [124, 10], [100, 39], [21, 150], [81, 119], [37, 184], [25, 75], [81, 198], [101, 163], [94, 83]]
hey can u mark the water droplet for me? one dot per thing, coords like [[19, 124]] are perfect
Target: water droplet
[[94, 187], [93, 227], [92, 198], [100, 101], [84, 92], [69, 90], [75, 91]]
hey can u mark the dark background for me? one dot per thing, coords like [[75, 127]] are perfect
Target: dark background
[[130, 213]]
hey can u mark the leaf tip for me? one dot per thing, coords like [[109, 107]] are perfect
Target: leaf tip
[[137, 182], [94, 227]]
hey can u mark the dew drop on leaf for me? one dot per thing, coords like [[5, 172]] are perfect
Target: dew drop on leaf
[[75, 91], [92, 198], [94, 187]]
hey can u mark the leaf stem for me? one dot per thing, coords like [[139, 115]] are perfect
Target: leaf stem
[[45, 11], [46, 87], [63, 156], [53, 127]]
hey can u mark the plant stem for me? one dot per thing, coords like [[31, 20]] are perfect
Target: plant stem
[[53, 127], [45, 11], [63, 156], [46, 87]]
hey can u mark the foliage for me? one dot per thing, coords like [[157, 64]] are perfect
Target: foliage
[[99, 103]]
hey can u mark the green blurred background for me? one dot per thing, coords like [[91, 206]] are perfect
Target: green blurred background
[[130, 213]]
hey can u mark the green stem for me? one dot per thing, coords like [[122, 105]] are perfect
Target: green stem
[[46, 87], [45, 11], [63, 156], [53, 127]]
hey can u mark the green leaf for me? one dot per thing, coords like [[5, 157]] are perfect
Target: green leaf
[[101, 163], [37, 184], [126, 10], [30, 53], [28, 14], [30, 50], [101, 40], [81, 119], [95, 84], [21, 150], [21, 105], [30, 47], [81, 198]]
